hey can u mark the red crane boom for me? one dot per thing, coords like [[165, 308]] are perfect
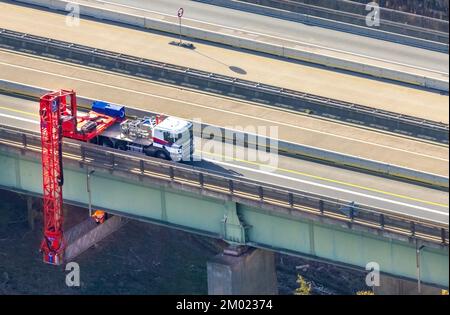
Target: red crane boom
[[59, 118], [51, 107]]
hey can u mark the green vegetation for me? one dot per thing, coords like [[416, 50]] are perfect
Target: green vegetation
[[304, 287]]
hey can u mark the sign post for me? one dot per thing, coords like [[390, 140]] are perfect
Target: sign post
[[180, 15]]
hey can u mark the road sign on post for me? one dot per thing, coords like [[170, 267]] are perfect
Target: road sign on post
[[180, 15], [180, 43]]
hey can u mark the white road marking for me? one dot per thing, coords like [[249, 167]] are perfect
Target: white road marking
[[20, 118], [365, 195], [221, 110], [285, 39], [288, 178]]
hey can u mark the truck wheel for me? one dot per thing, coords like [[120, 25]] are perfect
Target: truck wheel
[[161, 155], [148, 152], [122, 146]]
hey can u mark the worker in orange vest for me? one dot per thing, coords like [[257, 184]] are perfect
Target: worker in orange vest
[[99, 216]]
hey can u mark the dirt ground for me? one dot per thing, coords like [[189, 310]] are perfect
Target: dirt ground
[[140, 258]]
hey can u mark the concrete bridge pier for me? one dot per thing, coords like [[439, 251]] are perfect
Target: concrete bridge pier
[[31, 212], [242, 270]]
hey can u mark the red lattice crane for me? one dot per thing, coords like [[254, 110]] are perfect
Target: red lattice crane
[[52, 245], [59, 118]]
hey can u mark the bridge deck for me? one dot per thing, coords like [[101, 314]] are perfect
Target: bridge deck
[[178, 205], [225, 112], [216, 59], [289, 172]]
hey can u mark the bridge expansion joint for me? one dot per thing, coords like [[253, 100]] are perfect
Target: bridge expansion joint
[[233, 227]]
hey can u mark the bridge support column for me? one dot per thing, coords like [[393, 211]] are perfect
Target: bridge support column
[[31, 212], [242, 271], [395, 286]]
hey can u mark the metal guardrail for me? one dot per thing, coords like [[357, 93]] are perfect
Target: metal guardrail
[[245, 189], [398, 22], [222, 84], [387, 14], [353, 23], [260, 142]]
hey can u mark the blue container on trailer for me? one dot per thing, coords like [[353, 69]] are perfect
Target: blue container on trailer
[[105, 108]]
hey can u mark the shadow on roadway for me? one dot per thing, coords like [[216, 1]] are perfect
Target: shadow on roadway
[[212, 167]]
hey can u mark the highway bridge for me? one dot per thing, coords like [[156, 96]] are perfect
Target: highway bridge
[[345, 138], [320, 179], [282, 29], [215, 59], [263, 213], [302, 207]]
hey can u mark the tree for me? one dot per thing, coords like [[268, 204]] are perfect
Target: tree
[[304, 287]]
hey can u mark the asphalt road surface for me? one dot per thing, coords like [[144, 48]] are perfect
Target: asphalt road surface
[[284, 171]]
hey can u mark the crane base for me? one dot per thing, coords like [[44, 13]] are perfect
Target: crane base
[[55, 259]]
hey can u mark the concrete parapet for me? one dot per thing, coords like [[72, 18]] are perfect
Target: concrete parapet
[[284, 147], [164, 24], [335, 19], [355, 12]]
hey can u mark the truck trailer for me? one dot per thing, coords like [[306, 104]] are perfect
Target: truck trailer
[[159, 136], [164, 137]]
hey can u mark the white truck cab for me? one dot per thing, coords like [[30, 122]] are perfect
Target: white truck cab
[[176, 136]]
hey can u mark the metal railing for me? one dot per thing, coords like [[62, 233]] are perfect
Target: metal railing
[[357, 11], [296, 100], [239, 189]]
